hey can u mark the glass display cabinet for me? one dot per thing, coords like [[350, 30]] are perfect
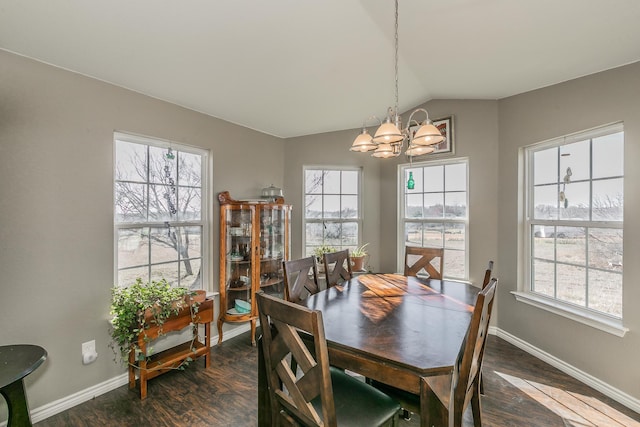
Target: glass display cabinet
[[254, 240]]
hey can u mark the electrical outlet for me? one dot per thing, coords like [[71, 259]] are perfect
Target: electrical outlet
[[89, 347]]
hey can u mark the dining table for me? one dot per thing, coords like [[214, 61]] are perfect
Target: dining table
[[390, 328]]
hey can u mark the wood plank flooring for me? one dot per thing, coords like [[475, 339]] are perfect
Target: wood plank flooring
[[520, 391]]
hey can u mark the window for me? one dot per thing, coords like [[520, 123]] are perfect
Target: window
[[574, 221], [160, 212], [434, 212], [332, 208]]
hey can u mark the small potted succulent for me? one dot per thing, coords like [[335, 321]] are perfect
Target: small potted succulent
[[357, 257]]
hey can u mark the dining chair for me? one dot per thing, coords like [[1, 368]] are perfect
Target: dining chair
[[341, 271], [417, 259], [487, 275], [485, 282], [300, 279], [315, 394], [449, 395]]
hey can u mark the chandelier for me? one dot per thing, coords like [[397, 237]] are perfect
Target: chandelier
[[390, 138]]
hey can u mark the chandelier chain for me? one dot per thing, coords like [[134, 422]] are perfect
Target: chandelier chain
[[396, 58]]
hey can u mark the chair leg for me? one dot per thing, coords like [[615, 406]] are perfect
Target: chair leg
[[476, 406]]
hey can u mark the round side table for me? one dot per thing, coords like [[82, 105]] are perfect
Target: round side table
[[16, 362]]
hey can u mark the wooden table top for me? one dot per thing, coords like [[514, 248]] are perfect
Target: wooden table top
[[411, 323]]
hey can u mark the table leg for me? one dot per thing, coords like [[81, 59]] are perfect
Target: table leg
[[264, 403], [207, 344], [16, 399]]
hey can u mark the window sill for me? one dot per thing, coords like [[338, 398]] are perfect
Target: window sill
[[586, 317]]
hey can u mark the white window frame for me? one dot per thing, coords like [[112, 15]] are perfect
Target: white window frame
[[402, 186], [205, 188], [524, 293], [305, 221]]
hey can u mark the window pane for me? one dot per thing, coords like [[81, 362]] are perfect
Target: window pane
[[168, 271], [543, 278], [608, 200], [543, 247], [163, 244], [133, 247], [349, 234], [454, 263], [545, 166], [575, 156], [434, 205], [189, 204], [417, 178], [413, 208], [576, 202], [189, 169], [350, 182], [313, 207], [190, 242], [433, 235], [605, 249], [128, 276], [434, 178], [130, 202], [608, 155], [331, 182], [456, 177], [572, 284], [331, 206], [605, 292], [456, 205], [162, 203], [190, 276], [349, 207], [545, 202], [332, 233], [314, 233], [313, 181], [454, 237], [131, 162], [571, 245], [162, 170], [413, 234]]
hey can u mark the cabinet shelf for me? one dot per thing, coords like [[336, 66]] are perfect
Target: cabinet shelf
[[271, 282]]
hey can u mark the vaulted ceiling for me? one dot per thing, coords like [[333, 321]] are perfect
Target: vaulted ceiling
[[298, 67]]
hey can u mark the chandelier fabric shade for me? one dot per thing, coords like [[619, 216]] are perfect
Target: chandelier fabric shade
[[390, 137]]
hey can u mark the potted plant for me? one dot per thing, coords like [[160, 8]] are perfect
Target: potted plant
[[357, 257], [319, 251], [141, 305]]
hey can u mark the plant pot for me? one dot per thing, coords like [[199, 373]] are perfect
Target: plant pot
[[357, 263]]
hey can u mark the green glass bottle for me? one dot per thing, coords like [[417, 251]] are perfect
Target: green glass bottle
[[411, 183]]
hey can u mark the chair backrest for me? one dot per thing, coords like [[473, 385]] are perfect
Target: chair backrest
[[417, 259], [467, 369], [300, 279], [341, 271], [282, 323], [487, 275]]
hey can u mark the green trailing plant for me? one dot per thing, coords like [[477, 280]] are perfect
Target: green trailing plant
[[140, 306], [360, 251]]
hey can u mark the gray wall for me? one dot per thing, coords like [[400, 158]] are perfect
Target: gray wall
[[56, 145], [56, 169], [543, 114]]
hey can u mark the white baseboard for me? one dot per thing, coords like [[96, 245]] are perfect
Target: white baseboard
[[68, 402], [593, 382]]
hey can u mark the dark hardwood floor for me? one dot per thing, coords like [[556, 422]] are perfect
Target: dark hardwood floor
[[520, 390]]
